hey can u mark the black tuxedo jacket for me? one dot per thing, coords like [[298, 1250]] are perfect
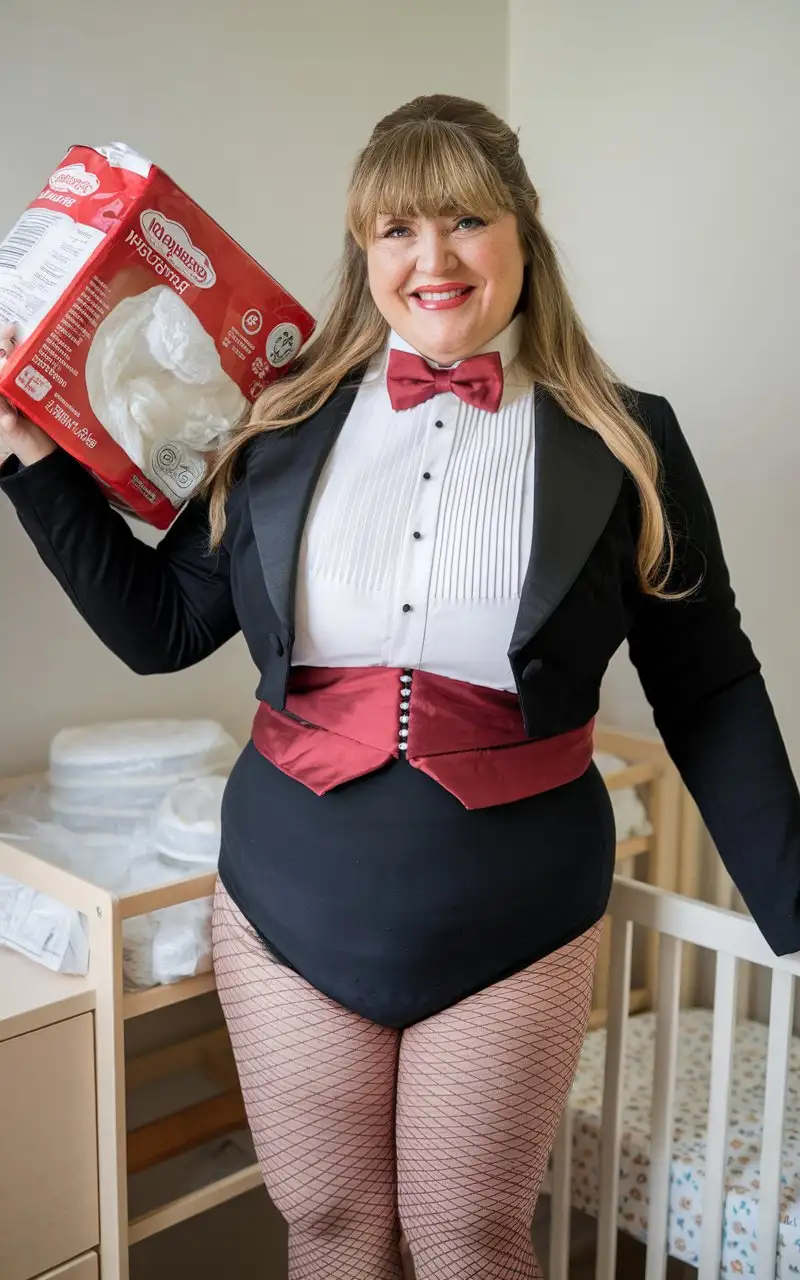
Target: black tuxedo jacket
[[164, 609]]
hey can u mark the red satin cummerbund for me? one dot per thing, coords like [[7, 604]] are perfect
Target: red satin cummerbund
[[341, 723]]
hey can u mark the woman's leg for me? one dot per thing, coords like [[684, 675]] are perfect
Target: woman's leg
[[481, 1088], [319, 1089]]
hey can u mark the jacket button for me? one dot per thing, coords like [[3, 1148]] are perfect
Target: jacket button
[[276, 643], [535, 665]]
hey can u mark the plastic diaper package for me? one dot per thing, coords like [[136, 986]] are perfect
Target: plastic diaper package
[[144, 330]]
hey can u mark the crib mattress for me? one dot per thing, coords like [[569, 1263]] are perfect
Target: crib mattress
[[688, 1158]]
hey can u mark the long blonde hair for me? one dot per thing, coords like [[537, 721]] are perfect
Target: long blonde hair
[[445, 155]]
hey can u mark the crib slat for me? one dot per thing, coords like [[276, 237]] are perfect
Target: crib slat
[[662, 1123], [724, 1027], [781, 1012], [561, 1199], [613, 1094]]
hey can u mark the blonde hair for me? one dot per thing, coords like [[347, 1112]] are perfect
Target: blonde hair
[[442, 155]]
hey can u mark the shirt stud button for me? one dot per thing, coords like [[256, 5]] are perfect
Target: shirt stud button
[[439, 422], [426, 475], [406, 608], [417, 535]]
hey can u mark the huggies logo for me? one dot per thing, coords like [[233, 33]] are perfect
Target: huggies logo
[[75, 180], [174, 244]]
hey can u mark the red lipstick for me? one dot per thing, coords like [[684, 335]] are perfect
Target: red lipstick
[[442, 297]]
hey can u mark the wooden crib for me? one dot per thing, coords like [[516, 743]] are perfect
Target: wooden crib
[[683, 1126]]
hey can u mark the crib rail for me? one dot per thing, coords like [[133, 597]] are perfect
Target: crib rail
[[676, 922]]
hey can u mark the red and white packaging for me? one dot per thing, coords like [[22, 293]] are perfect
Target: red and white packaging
[[144, 330]]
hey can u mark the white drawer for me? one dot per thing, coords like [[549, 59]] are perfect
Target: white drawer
[[48, 1149]]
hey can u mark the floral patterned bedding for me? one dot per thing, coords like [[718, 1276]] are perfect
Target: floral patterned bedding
[[686, 1189]]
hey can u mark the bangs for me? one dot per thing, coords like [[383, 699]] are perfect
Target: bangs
[[428, 169]]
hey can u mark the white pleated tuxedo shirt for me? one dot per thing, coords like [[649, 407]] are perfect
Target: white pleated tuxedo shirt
[[418, 537]]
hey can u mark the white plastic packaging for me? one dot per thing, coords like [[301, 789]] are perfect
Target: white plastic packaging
[[42, 929], [132, 754], [112, 777], [187, 825], [630, 814], [37, 925], [170, 944]]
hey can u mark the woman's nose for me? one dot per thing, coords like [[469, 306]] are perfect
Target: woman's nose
[[435, 257]]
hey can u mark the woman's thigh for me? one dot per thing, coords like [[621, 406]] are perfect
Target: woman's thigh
[[481, 1088], [318, 1083]]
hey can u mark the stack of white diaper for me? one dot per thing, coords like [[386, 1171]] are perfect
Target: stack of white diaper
[[112, 777]]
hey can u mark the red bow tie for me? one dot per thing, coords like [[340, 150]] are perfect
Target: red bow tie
[[412, 381]]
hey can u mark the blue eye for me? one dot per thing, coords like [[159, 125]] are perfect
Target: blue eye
[[473, 221], [395, 233]]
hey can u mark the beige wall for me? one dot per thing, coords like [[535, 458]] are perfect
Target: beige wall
[[257, 107], [663, 140]]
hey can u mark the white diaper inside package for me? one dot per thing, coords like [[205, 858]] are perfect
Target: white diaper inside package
[[145, 332], [154, 376]]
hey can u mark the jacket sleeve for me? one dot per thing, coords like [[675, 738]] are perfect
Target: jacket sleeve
[[159, 609], [710, 704]]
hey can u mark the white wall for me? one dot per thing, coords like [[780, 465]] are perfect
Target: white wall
[[257, 107], [663, 138]]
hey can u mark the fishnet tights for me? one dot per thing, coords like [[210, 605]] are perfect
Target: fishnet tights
[[447, 1125]]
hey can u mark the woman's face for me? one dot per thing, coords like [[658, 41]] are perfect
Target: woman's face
[[446, 285]]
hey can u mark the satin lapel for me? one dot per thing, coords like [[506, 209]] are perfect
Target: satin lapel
[[577, 481], [282, 474]]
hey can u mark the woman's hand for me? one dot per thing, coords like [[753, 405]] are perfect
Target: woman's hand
[[17, 435]]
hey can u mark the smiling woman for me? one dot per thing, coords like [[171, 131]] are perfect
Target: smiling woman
[[432, 570], [440, 197]]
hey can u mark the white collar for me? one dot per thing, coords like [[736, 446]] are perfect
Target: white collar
[[507, 343]]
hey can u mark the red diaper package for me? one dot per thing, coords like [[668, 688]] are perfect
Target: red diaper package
[[145, 331]]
